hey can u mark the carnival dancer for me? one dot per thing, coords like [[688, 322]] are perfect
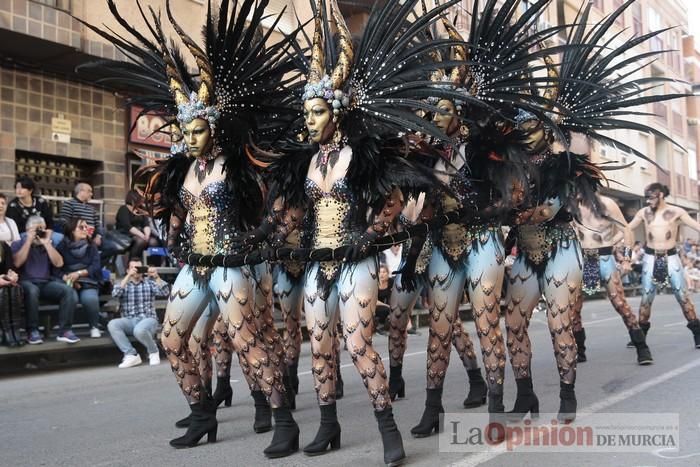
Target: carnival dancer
[[484, 163], [351, 185], [210, 190], [662, 264], [589, 94], [598, 233]]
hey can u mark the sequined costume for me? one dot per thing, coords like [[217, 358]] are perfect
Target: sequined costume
[[351, 184], [659, 269], [208, 192]]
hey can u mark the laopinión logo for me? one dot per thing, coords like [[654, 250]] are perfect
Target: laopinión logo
[[600, 432]]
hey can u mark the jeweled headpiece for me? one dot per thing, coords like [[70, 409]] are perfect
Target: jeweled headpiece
[[319, 84]]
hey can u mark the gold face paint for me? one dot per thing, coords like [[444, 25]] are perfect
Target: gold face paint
[[197, 136], [318, 120]]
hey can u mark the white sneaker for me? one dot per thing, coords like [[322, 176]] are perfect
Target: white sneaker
[[95, 333], [154, 358], [130, 360]]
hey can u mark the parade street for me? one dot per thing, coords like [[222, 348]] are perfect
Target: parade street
[[110, 417]]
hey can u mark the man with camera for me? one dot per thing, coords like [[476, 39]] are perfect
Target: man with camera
[[136, 294], [35, 254]]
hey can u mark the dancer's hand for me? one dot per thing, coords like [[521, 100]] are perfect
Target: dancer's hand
[[361, 249], [408, 280], [248, 241]]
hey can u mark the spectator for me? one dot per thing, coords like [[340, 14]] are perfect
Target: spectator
[[692, 273], [392, 258], [137, 226], [34, 254], [136, 295], [383, 298], [8, 227], [79, 207], [26, 205], [82, 270], [9, 299]]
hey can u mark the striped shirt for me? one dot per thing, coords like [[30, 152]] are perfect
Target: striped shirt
[[74, 208], [136, 299]]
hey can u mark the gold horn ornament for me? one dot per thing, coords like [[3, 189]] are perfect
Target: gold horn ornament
[[317, 67], [341, 72], [206, 74]]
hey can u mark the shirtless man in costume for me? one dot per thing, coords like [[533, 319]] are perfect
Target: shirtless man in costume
[[661, 263], [598, 233]]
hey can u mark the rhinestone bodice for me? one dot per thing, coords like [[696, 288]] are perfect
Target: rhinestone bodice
[[212, 218]]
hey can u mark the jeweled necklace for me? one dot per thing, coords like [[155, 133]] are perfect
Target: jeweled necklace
[[328, 155], [204, 166]]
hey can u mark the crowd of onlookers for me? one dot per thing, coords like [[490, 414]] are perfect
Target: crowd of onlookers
[[59, 261]]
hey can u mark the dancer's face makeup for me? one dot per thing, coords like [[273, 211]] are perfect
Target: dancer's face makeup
[[653, 198], [197, 136], [447, 119], [319, 120]]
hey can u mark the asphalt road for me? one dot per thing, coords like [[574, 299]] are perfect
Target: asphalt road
[[110, 417]]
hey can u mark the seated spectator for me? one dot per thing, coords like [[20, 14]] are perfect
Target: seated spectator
[[130, 222], [8, 227], [79, 207], [383, 298], [136, 294], [35, 254], [26, 205], [9, 300], [82, 270], [692, 273]]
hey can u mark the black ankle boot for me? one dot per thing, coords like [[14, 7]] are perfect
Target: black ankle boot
[[430, 421], [202, 422], [645, 329], [477, 390], [339, 385], [285, 441], [525, 401], [567, 403], [694, 327], [580, 337], [640, 342], [328, 433], [292, 371], [497, 419], [289, 392], [263, 413], [184, 422], [224, 392], [397, 386], [391, 438]]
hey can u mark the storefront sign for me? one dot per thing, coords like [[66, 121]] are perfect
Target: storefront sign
[[146, 129]]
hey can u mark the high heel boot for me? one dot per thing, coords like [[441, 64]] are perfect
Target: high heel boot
[[397, 386], [391, 438], [430, 421], [202, 422], [328, 433], [285, 441], [580, 338], [640, 342], [497, 419], [293, 370], [525, 401], [339, 385], [567, 403], [694, 327], [224, 392], [291, 395], [477, 390], [263, 413]]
